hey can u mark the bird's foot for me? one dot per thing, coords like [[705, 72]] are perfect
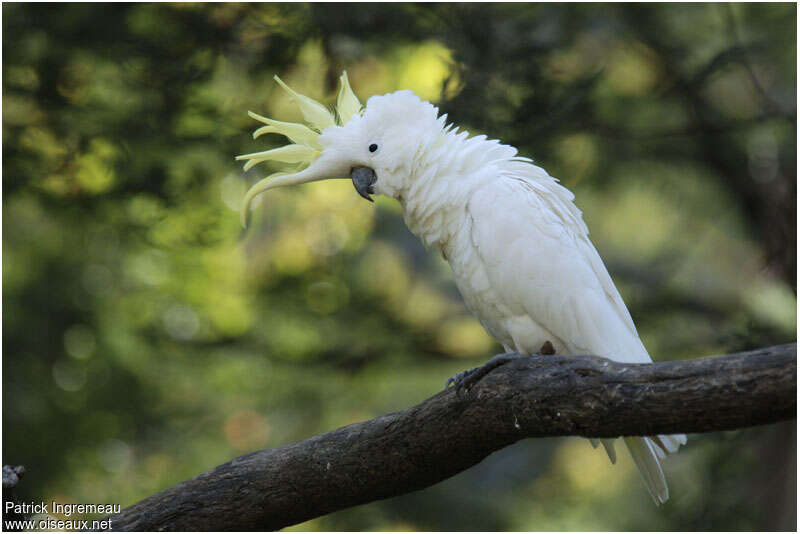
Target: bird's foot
[[464, 380]]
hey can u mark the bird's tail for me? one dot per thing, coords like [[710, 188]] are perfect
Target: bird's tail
[[646, 453]]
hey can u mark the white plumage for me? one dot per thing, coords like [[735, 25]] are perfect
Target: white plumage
[[517, 244]]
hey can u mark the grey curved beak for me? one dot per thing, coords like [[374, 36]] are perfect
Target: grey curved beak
[[363, 179]]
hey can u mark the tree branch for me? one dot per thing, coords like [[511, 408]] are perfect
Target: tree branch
[[447, 433]]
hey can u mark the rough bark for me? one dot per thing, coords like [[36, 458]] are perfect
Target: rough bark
[[447, 433]]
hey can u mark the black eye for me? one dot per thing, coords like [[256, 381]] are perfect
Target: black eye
[[373, 147]]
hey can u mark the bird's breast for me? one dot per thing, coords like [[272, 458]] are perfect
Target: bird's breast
[[474, 285]]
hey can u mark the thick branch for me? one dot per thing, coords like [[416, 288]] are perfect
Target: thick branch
[[415, 448]]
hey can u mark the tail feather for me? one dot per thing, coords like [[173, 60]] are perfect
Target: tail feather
[[608, 445], [647, 453], [643, 451], [670, 443]]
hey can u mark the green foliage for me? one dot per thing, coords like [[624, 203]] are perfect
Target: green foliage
[[147, 339]]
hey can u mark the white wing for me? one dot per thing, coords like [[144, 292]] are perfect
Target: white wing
[[537, 255]]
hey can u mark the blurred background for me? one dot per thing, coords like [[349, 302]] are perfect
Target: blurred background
[[146, 338]]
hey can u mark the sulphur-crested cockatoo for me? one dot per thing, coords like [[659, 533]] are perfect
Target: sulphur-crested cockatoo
[[518, 246]]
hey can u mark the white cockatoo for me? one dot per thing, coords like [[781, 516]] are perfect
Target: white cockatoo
[[518, 246]]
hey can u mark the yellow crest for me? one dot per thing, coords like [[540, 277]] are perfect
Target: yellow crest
[[304, 147]]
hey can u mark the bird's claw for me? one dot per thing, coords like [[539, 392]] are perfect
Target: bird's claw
[[463, 381], [460, 380]]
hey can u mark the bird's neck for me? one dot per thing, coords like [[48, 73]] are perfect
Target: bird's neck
[[448, 168]]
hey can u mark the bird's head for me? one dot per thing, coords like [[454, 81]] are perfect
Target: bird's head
[[375, 145]]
